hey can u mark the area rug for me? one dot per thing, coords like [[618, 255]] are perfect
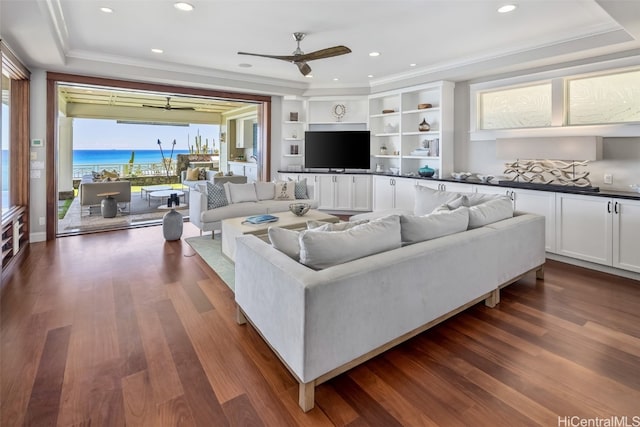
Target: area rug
[[210, 250]]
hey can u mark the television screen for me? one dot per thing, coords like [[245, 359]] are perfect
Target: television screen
[[337, 149]]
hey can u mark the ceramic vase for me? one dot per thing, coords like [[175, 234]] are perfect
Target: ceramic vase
[[424, 126]]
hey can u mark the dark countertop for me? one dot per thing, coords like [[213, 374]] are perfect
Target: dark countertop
[[538, 187]]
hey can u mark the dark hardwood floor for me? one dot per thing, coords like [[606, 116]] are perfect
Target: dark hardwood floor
[[123, 328]]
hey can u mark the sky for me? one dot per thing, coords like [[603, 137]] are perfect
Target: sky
[[98, 134]]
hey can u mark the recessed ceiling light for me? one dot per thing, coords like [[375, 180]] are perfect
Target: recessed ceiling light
[[245, 65], [370, 75], [186, 7], [154, 50], [507, 8], [309, 76], [335, 79], [106, 9], [412, 65], [374, 53]]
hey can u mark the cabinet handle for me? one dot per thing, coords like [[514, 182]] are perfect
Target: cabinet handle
[[609, 207], [615, 207]]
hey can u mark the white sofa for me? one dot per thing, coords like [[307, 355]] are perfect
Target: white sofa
[[323, 322], [210, 219]]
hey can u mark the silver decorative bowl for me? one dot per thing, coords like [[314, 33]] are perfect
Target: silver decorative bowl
[[299, 209]]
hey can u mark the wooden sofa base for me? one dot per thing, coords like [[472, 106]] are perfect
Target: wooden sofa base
[[306, 391]]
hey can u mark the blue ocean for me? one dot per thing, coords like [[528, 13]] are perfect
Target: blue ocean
[[102, 157]]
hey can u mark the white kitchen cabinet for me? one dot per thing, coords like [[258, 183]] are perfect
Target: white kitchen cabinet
[[599, 229], [251, 172], [393, 193], [626, 234], [540, 203], [236, 168], [361, 188]]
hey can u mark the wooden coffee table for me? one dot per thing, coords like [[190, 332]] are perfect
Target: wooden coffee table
[[233, 227]]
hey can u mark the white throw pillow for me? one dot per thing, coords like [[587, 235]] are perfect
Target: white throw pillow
[[286, 241], [416, 229], [285, 190], [242, 193], [490, 212], [473, 199], [265, 190], [322, 249], [427, 199]]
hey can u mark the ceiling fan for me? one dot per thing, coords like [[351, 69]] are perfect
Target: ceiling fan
[[168, 106], [300, 58]]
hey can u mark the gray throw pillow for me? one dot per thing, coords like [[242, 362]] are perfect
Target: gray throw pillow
[[216, 196], [301, 189], [490, 212]]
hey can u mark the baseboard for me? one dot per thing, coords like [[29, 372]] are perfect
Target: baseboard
[[594, 266], [38, 237]]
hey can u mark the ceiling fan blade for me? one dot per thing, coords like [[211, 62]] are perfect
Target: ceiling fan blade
[[324, 53], [289, 58], [303, 67]]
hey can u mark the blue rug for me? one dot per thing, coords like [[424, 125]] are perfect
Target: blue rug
[[210, 250]]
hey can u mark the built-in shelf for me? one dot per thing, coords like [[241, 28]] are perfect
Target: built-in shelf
[[293, 139], [431, 132], [294, 122], [386, 156], [335, 123], [424, 110], [395, 113], [292, 155], [387, 134], [422, 157]]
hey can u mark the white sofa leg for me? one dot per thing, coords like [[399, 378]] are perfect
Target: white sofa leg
[[493, 298], [306, 395]]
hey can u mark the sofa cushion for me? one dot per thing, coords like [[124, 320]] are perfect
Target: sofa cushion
[[285, 191], [333, 226], [427, 199], [322, 249], [286, 241], [216, 196], [265, 190], [300, 191], [239, 193], [416, 229], [473, 199], [490, 212]]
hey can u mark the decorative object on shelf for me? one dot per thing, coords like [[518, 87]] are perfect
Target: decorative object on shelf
[[294, 135], [396, 153], [339, 111], [635, 187], [379, 168], [554, 172], [294, 149], [293, 117], [299, 209], [461, 175], [383, 150], [394, 171], [389, 128], [424, 106], [424, 126], [426, 171], [485, 178], [389, 111]]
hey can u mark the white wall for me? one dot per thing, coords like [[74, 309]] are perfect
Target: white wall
[[38, 128]]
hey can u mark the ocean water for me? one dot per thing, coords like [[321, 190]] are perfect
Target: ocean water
[[102, 157]]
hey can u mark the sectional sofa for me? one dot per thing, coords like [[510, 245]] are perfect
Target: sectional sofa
[[323, 321]]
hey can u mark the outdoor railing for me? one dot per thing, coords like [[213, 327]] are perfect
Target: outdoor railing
[[124, 169]]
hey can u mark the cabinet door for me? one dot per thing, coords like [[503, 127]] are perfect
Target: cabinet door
[[342, 187], [458, 187], [236, 169], [324, 191], [251, 171], [405, 193], [626, 234], [383, 193], [584, 227], [361, 192], [541, 203]]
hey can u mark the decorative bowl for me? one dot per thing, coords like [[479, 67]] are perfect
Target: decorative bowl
[[424, 106], [460, 175], [299, 209], [394, 171], [485, 178], [388, 111]]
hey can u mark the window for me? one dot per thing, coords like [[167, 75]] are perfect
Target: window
[[513, 108], [610, 98]]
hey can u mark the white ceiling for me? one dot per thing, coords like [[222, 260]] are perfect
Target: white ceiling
[[450, 39]]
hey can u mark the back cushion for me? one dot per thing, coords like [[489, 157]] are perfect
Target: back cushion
[[265, 190], [285, 241], [322, 249], [428, 199], [416, 229], [472, 199], [216, 196], [285, 190], [490, 212], [242, 193]]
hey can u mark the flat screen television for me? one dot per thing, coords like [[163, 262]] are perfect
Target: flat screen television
[[337, 149]]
